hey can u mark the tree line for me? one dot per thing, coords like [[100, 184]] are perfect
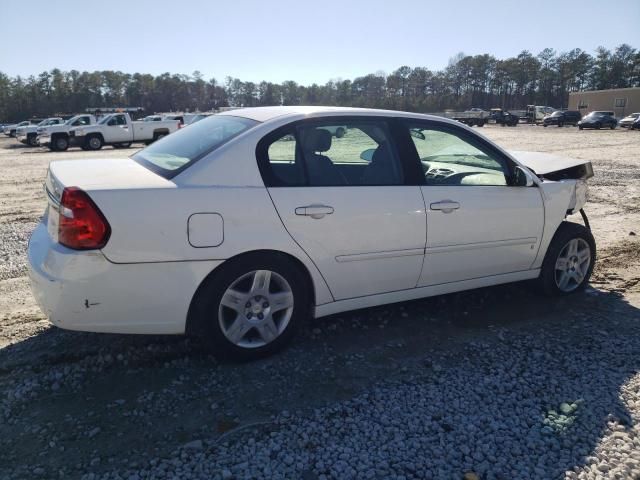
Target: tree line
[[468, 81]]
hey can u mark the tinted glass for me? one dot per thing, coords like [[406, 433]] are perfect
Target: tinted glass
[[180, 149]]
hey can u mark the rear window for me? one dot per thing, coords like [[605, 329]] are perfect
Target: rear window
[[178, 151]]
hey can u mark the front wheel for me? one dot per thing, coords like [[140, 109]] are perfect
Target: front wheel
[[60, 144], [252, 306], [569, 261]]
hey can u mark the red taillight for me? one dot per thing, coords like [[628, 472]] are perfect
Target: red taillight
[[82, 225]]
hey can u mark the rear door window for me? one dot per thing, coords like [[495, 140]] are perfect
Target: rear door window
[[344, 153]]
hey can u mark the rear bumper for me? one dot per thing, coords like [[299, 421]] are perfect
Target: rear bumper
[[83, 290]]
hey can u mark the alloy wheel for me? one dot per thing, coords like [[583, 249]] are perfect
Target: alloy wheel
[[255, 309], [572, 264]]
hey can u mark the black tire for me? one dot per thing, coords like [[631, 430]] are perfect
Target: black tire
[[32, 140], [12, 133], [580, 127], [204, 319], [94, 142], [60, 143], [566, 232], [613, 126], [158, 136], [545, 125], [560, 124], [340, 132]]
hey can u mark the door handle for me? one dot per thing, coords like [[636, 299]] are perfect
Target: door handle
[[445, 206], [314, 211]]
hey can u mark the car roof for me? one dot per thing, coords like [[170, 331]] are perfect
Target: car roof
[[264, 114]]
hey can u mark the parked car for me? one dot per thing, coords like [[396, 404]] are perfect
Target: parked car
[[10, 130], [28, 134], [503, 117], [228, 231], [118, 130], [56, 137], [562, 118], [635, 125], [627, 121], [598, 120]]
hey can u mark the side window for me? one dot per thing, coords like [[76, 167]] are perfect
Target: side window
[[350, 153], [450, 159], [284, 164]]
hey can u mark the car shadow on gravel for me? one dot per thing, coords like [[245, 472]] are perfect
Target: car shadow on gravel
[[514, 380]]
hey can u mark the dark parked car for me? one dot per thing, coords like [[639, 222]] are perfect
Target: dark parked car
[[561, 118], [503, 117], [598, 120]]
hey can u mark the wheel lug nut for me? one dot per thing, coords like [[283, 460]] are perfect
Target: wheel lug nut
[[260, 316]]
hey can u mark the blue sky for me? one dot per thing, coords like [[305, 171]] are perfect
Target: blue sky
[[299, 40]]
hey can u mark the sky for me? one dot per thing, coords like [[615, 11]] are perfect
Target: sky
[[298, 40]]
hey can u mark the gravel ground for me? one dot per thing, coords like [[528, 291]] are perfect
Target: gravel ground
[[493, 383]]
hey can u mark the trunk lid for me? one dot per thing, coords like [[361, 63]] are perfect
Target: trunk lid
[[100, 174]]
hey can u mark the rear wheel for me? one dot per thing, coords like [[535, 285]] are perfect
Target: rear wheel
[[252, 306], [32, 140], [94, 142], [569, 261]]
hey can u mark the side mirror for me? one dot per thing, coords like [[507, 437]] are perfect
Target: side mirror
[[367, 155], [522, 177]]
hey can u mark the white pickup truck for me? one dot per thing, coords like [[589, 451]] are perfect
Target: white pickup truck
[[118, 130], [27, 134], [56, 137]]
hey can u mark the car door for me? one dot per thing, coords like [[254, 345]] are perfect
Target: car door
[[346, 202], [478, 223], [117, 130]]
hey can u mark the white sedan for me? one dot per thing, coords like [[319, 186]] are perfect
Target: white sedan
[[241, 226]]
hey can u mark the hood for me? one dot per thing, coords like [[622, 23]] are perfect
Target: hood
[[554, 167]]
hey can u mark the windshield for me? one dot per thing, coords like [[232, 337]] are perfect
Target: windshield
[[177, 151], [556, 114], [43, 123], [70, 121]]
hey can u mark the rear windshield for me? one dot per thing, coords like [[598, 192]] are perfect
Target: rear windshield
[[178, 151]]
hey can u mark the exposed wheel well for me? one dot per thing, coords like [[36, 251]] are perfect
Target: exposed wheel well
[[192, 328]]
